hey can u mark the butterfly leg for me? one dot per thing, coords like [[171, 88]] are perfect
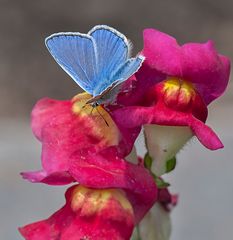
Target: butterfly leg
[[92, 110], [102, 116]]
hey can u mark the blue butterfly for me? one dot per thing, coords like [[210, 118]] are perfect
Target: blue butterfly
[[97, 61]]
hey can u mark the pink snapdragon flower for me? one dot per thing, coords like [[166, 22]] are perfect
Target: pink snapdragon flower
[[88, 214], [68, 128], [112, 197], [174, 86], [169, 96], [84, 145]]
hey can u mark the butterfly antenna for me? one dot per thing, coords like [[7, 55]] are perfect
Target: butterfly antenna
[[102, 116]]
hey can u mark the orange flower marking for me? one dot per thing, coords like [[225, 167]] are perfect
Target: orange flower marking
[[97, 119]]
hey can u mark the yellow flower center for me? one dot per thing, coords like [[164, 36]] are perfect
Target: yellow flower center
[[178, 93], [91, 201], [97, 119]]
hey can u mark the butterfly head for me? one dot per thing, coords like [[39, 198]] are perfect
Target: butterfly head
[[94, 104]]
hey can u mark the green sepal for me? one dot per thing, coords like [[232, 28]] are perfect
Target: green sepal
[[136, 234], [160, 182], [170, 164], [148, 161]]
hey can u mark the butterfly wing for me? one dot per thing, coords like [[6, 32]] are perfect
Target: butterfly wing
[[126, 70], [112, 50], [76, 53], [122, 73], [96, 61]]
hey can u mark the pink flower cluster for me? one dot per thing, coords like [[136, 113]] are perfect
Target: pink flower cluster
[[112, 195]]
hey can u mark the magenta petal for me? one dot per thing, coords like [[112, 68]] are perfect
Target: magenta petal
[[136, 116], [206, 135], [45, 110], [162, 52], [50, 119], [65, 130], [106, 170], [166, 199], [36, 176], [88, 214], [137, 86], [197, 63], [208, 71], [37, 231], [56, 178]]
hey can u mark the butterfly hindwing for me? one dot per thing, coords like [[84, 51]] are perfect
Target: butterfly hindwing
[[125, 71], [121, 74], [76, 54]]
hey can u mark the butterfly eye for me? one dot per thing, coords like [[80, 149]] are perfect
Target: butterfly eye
[[94, 104]]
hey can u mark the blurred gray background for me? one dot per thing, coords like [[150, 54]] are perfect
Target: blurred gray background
[[27, 73]]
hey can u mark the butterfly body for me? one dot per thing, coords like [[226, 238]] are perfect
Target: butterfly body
[[98, 61], [106, 97]]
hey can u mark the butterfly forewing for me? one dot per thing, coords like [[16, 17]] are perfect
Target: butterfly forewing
[[112, 51], [76, 54]]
